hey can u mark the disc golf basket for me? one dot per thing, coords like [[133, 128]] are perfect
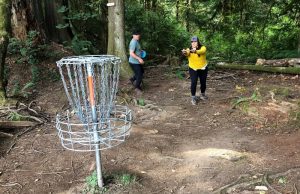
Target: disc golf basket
[[94, 122]]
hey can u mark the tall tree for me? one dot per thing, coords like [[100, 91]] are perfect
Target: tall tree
[[53, 18], [177, 10], [4, 35], [41, 16], [188, 12], [111, 30], [19, 19], [116, 35]]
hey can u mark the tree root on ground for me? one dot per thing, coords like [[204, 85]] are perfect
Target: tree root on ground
[[265, 181], [20, 116], [236, 184], [14, 141], [3, 134], [22, 112], [243, 182], [11, 185], [295, 188]]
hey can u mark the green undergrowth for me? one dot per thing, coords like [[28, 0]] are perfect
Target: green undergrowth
[[244, 102], [119, 179]]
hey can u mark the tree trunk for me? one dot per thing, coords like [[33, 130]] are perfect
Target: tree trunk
[[38, 17], [177, 10], [41, 16], [4, 34], [19, 19], [154, 4], [52, 19], [188, 12], [116, 36], [27, 15], [111, 29]]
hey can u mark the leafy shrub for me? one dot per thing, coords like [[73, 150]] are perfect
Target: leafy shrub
[[22, 92], [161, 34], [14, 46], [92, 183], [29, 52], [85, 22], [80, 46], [125, 179]]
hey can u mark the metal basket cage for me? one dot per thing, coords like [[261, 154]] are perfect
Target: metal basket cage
[[95, 122], [78, 136], [105, 75]]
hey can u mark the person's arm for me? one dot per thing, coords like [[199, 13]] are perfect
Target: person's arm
[[186, 52], [132, 47], [201, 51], [132, 54]]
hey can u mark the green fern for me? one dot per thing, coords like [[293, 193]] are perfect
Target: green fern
[[255, 97], [180, 74], [14, 116]]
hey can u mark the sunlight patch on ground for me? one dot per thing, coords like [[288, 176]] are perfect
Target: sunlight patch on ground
[[215, 153], [272, 111], [145, 131], [283, 107]]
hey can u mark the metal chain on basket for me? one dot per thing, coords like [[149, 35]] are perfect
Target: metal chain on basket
[[76, 129]]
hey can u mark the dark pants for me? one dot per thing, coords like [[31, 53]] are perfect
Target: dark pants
[[138, 75], [202, 74]]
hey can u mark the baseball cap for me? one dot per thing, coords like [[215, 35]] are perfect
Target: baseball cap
[[194, 39], [136, 32]]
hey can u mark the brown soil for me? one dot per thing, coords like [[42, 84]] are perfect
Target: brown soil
[[174, 147]]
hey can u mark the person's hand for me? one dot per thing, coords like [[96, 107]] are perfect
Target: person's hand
[[193, 50], [141, 61], [185, 51]]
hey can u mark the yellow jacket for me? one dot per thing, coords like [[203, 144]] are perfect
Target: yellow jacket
[[197, 60]]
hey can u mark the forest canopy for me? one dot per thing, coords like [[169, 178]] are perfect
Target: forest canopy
[[232, 30]]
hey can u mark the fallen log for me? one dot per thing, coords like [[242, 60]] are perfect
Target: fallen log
[[2, 134], [291, 62], [285, 70], [16, 124]]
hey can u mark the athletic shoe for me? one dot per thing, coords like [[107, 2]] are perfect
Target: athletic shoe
[[203, 97], [138, 91], [132, 81], [194, 101]]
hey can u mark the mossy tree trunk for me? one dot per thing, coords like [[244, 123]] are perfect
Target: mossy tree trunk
[[4, 35], [285, 70], [116, 36]]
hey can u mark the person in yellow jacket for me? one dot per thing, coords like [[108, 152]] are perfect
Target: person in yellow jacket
[[196, 55]]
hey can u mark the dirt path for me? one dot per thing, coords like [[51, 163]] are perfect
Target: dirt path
[[175, 147]]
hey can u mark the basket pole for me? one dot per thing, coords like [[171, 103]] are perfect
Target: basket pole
[[95, 126]]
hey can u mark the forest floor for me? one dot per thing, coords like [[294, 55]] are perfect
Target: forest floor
[[244, 139]]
